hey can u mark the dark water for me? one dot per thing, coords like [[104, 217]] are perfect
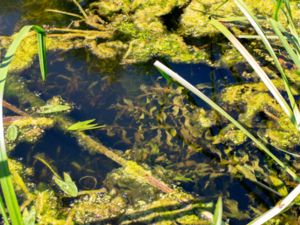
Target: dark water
[[93, 89]]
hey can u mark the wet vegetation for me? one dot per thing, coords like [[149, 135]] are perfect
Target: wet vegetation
[[106, 138]]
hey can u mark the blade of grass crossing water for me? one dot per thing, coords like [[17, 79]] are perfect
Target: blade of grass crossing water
[[283, 39], [253, 21], [260, 72], [5, 176], [218, 213], [216, 107]]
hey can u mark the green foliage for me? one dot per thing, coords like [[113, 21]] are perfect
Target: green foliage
[[12, 133], [66, 184], [6, 183], [85, 125], [29, 216], [3, 211], [217, 219], [49, 109]]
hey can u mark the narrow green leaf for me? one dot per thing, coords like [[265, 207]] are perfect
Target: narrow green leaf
[[295, 118], [3, 211], [277, 29], [277, 8], [217, 219], [167, 78], [5, 177], [42, 51], [84, 125], [260, 72]]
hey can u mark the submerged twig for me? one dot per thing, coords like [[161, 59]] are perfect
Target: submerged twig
[[64, 13], [14, 109]]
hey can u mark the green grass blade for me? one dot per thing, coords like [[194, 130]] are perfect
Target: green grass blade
[[42, 51], [277, 8], [253, 21], [277, 29], [3, 212], [216, 107], [263, 76], [5, 176], [256, 37], [217, 219]]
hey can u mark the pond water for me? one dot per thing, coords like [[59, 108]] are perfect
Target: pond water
[[93, 89]]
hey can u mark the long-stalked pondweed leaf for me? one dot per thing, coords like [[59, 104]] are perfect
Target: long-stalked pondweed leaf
[[5, 176], [220, 110], [253, 21]]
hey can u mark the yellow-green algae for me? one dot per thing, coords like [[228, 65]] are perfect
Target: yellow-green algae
[[255, 100], [136, 32], [196, 17], [31, 129]]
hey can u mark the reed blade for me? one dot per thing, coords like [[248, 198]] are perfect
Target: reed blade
[[218, 213], [5, 176], [295, 118], [41, 51], [260, 72]]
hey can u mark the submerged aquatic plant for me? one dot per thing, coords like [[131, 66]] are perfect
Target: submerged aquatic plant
[[10, 198]]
